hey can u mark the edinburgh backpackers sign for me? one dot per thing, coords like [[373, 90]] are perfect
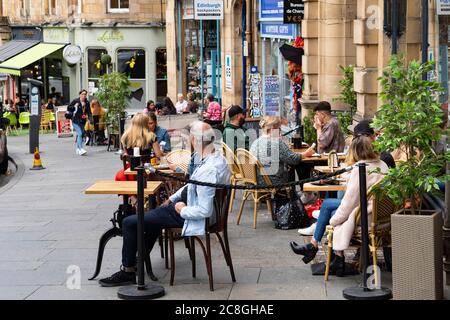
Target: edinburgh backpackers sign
[[208, 9], [293, 11]]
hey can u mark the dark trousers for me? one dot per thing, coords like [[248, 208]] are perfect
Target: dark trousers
[[154, 221]]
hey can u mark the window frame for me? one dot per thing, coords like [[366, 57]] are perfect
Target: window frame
[[117, 10], [145, 60]]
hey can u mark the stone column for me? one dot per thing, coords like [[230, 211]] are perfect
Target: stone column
[[328, 32], [171, 44], [231, 44]]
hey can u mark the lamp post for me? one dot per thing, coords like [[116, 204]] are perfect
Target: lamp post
[[424, 35]]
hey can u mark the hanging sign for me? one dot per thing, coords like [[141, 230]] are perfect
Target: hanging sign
[[208, 9], [228, 73], [293, 11], [271, 10], [443, 7], [72, 54], [278, 31]]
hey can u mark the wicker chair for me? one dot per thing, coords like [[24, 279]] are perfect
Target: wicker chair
[[236, 175], [249, 167], [379, 228], [181, 158]]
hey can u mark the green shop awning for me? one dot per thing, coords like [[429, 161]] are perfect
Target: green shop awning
[[20, 61]]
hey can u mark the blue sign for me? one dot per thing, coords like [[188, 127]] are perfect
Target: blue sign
[[271, 10], [278, 30]]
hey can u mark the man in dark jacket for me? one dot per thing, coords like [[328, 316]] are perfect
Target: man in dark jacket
[[363, 128], [234, 133], [81, 112]]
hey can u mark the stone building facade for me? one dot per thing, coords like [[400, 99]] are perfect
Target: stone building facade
[[124, 29]]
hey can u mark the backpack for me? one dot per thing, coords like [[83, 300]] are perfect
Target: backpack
[[292, 215]]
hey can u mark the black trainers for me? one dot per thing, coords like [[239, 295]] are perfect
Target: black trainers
[[120, 278]]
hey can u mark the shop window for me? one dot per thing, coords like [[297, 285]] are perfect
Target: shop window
[[95, 68], [118, 5], [131, 62], [161, 73]]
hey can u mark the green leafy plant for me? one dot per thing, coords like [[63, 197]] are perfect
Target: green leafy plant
[[310, 134], [411, 119], [114, 94], [347, 96]]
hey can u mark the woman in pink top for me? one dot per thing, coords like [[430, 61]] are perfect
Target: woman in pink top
[[214, 111]]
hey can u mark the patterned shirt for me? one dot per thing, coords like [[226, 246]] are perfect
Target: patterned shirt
[[331, 137]]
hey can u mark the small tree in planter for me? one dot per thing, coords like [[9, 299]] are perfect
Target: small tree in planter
[[114, 94], [411, 119]]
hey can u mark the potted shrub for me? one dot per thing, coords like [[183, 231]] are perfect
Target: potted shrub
[[114, 94], [348, 97], [411, 120]]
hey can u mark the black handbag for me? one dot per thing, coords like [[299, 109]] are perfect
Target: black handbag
[[292, 215]]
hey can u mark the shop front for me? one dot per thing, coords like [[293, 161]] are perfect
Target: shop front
[[137, 51], [276, 86]]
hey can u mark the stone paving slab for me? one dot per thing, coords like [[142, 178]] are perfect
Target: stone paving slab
[[47, 224]]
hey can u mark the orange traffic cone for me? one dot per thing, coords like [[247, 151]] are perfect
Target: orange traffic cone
[[37, 163]]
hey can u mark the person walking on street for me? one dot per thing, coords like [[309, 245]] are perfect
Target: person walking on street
[[81, 110]]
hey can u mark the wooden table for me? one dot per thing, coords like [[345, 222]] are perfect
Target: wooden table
[[326, 169], [321, 158], [130, 172], [122, 187], [308, 187]]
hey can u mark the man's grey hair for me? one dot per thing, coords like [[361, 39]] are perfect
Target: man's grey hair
[[202, 132]]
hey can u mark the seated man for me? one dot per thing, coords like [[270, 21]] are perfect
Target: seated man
[[187, 208], [162, 135], [329, 133], [234, 133]]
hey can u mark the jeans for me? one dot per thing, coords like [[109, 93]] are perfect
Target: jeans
[[79, 131], [154, 221], [327, 210]]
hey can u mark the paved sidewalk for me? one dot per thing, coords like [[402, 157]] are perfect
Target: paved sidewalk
[[48, 224]]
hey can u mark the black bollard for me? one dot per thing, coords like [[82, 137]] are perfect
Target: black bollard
[[363, 292], [141, 291]]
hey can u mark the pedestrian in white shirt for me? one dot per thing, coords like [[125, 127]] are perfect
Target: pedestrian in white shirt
[[181, 104]]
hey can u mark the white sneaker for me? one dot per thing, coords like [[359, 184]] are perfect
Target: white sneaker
[[82, 152], [308, 231], [78, 151], [315, 214]]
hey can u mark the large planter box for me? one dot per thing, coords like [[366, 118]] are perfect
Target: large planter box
[[417, 255]]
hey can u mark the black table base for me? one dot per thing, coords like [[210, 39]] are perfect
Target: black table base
[[136, 293], [360, 293]]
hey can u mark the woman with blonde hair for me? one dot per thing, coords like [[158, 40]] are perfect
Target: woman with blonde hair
[[98, 125], [343, 218], [139, 135], [273, 153]]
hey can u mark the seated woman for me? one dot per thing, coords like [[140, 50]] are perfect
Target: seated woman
[[139, 135], [341, 214], [273, 153], [162, 135]]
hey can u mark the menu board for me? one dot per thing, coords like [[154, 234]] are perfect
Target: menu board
[[272, 95], [63, 125]]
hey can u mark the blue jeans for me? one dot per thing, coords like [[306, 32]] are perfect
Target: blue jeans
[[154, 221], [327, 210], [79, 131]]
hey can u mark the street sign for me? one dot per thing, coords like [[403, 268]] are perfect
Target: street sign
[[293, 11], [228, 72], [443, 7]]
